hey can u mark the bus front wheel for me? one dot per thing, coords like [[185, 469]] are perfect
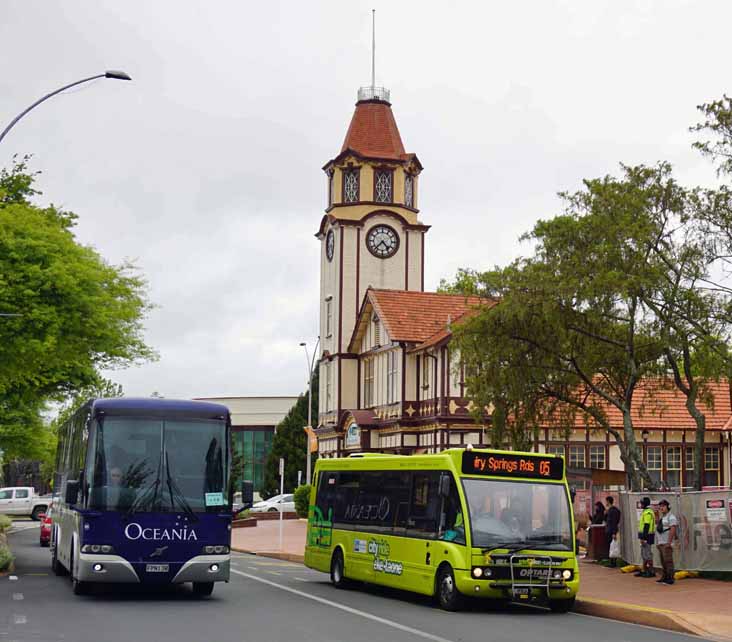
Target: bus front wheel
[[203, 589], [561, 606], [448, 596], [338, 570]]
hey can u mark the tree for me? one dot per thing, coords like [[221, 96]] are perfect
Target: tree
[[77, 313], [289, 442]]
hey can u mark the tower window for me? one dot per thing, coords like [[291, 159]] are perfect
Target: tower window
[[328, 317], [331, 187], [383, 184], [351, 185], [328, 387], [409, 190]]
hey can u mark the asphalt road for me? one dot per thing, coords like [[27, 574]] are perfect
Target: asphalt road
[[269, 601]]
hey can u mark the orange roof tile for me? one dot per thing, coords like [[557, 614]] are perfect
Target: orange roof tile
[[445, 333], [657, 404], [373, 132], [417, 316]]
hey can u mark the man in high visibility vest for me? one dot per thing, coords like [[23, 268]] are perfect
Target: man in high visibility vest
[[646, 530]]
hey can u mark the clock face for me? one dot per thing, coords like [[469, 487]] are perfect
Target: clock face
[[382, 241], [329, 245]]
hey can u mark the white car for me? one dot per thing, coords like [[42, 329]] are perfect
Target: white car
[[283, 503]]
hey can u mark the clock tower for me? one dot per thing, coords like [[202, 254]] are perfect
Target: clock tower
[[370, 236]]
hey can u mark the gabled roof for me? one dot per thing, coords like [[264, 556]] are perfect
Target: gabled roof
[[658, 404], [412, 317], [444, 334]]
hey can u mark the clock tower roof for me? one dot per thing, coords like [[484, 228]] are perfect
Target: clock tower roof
[[373, 132]]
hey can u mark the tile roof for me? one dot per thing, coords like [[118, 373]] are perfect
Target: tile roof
[[657, 404], [416, 316], [373, 132]]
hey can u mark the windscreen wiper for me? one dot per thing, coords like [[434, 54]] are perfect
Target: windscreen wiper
[[176, 494], [511, 547]]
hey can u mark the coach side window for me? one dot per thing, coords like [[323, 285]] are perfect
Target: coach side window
[[425, 505], [326, 495], [453, 517]]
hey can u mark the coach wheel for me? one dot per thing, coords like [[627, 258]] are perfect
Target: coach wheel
[[78, 587], [448, 596], [203, 589], [56, 566], [338, 570]]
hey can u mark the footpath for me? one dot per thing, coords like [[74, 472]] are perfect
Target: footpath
[[694, 606]]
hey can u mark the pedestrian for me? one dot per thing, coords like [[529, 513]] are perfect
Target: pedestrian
[[666, 533], [612, 526], [646, 528]]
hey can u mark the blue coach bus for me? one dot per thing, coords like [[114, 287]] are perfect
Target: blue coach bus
[[143, 494]]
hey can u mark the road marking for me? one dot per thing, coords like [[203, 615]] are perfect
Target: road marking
[[13, 578], [273, 572], [17, 596], [300, 579], [347, 609], [20, 619]]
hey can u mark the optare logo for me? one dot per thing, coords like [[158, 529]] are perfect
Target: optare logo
[[135, 531]]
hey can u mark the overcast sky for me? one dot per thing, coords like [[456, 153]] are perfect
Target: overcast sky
[[205, 169]]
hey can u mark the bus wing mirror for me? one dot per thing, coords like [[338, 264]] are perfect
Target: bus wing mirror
[[72, 492], [444, 486], [247, 493]]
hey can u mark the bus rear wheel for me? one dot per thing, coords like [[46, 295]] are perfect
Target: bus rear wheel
[[448, 596], [561, 606], [338, 570], [203, 589]]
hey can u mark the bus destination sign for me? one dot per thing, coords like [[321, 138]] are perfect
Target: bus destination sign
[[510, 465]]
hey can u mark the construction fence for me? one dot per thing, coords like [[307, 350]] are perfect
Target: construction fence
[[704, 531]]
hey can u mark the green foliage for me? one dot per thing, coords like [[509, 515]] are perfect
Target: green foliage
[[289, 442], [6, 557], [717, 127], [466, 281], [5, 523], [77, 314], [302, 500]]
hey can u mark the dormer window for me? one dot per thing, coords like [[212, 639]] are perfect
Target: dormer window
[[351, 185], [383, 186], [409, 190]]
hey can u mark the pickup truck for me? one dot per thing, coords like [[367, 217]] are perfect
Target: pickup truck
[[22, 500]]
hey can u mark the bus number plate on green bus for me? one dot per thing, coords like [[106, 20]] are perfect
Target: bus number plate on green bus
[[512, 465]]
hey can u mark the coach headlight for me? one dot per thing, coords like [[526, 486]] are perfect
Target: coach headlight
[[97, 548], [215, 550], [477, 572], [566, 574]]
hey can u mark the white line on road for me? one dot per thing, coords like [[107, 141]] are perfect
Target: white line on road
[[347, 609], [17, 596]]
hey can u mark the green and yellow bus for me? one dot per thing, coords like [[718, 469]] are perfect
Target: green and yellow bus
[[462, 522]]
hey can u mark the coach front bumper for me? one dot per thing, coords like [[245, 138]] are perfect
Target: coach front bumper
[[105, 568], [204, 568]]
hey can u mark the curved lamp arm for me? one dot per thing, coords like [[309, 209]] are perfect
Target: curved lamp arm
[[117, 75]]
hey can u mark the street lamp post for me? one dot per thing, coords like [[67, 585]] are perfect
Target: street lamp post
[[115, 75], [310, 363]]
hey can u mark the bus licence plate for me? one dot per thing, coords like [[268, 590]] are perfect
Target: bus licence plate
[[157, 568]]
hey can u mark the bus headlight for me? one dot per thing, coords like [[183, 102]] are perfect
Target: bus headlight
[[557, 575], [477, 572], [97, 548], [566, 574], [215, 550], [487, 572]]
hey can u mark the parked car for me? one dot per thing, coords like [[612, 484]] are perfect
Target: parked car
[[46, 521], [22, 500], [283, 503]]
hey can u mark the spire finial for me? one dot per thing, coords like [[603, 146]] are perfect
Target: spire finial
[[372, 92], [373, 48]]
